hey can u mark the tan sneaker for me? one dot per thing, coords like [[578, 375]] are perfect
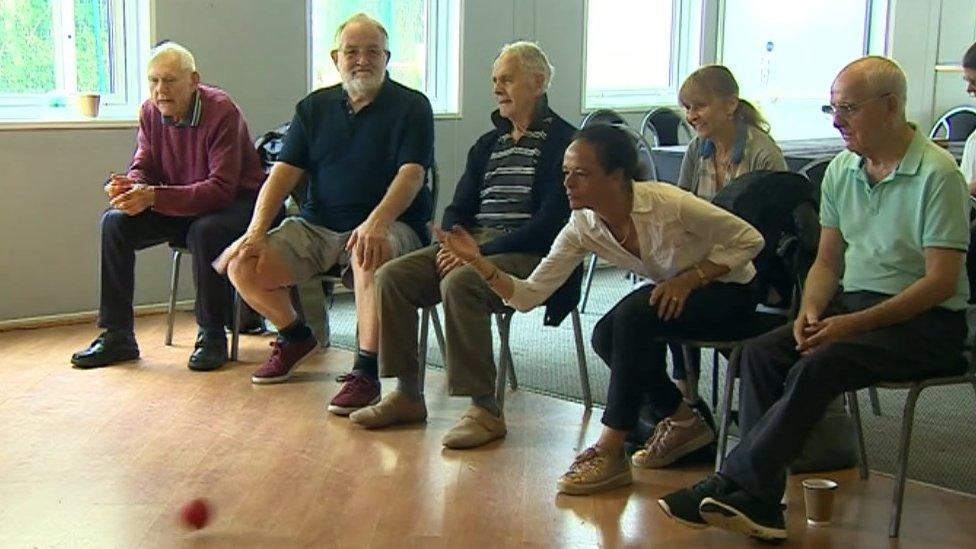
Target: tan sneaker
[[395, 408], [670, 442], [476, 427], [594, 471]]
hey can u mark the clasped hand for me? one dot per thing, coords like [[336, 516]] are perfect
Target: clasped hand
[[127, 196], [810, 332]]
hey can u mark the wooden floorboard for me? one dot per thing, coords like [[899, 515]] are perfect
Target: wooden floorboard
[[105, 458]]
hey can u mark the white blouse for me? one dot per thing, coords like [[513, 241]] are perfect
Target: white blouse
[[968, 163], [675, 231]]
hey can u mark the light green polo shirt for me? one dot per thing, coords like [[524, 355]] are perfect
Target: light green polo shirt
[[922, 204]]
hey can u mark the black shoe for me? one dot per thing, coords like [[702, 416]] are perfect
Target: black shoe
[[682, 506], [743, 513], [209, 353], [108, 348]]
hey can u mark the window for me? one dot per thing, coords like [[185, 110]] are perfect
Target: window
[[424, 44], [52, 50], [638, 51], [784, 61]]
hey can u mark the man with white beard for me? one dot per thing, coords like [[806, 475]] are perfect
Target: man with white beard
[[365, 145]]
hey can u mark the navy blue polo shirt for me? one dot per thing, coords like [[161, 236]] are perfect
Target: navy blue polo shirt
[[352, 158]]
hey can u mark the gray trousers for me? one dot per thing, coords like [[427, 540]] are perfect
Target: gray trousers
[[408, 283]]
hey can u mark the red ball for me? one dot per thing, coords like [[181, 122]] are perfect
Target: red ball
[[195, 514]]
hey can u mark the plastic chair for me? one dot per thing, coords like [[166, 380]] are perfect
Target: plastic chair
[[663, 126], [904, 441], [178, 252], [603, 116], [506, 366], [955, 125]]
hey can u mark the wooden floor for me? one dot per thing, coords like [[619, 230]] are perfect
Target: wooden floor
[[104, 458]]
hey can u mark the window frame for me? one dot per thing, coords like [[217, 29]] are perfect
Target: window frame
[[130, 21], [687, 51], [442, 74]]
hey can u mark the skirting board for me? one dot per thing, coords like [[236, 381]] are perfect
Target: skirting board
[[84, 316]]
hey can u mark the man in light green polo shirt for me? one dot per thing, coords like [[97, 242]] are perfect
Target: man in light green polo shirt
[[883, 301]]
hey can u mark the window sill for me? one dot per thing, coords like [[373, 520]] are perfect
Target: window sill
[[69, 123]]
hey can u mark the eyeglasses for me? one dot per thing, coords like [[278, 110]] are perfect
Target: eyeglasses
[[847, 109], [355, 53]]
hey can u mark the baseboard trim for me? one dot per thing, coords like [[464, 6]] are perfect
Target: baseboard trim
[[83, 317]]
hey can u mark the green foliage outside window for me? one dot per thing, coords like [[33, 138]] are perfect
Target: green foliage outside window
[[27, 46]]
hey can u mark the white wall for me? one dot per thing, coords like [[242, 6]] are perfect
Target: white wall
[[257, 51]]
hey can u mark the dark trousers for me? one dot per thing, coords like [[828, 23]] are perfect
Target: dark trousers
[[783, 394], [205, 236], [629, 340]]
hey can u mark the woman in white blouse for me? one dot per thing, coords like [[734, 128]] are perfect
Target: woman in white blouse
[[699, 258]]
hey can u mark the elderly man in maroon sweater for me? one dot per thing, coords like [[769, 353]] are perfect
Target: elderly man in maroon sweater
[[194, 179]]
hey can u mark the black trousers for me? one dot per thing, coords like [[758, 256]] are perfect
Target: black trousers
[[205, 236], [629, 340], [783, 394]]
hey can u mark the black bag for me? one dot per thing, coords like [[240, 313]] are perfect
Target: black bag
[[782, 206]]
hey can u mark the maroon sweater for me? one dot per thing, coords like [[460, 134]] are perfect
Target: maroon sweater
[[197, 169]]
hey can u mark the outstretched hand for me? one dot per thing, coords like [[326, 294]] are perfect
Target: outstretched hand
[[459, 243]]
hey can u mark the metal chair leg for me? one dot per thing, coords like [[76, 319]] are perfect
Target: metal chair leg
[[587, 283], [422, 346], [875, 403], [173, 286], [581, 360], [507, 349], [235, 327], [715, 355], [438, 331], [723, 432], [862, 454], [908, 418], [692, 370], [503, 368]]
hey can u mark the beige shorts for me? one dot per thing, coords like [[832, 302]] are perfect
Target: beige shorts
[[310, 250]]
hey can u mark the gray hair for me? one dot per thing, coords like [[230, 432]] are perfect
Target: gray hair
[[882, 75], [362, 18], [187, 62], [532, 59]]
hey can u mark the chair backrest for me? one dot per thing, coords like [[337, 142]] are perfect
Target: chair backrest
[[605, 116], [782, 206], [814, 171], [646, 170], [662, 126], [955, 125]]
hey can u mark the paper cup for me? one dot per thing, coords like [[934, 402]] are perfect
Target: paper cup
[[88, 104], [818, 494]]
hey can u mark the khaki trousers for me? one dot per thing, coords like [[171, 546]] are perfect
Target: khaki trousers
[[408, 283]]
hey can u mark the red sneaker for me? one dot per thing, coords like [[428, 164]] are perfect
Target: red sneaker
[[284, 357], [358, 391]]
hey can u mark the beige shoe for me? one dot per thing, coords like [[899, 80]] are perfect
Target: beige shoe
[[671, 442], [595, 471], [476, 427], [395, 408]]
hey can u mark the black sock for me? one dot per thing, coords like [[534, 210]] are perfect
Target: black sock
[[295, 332], [366, 364]]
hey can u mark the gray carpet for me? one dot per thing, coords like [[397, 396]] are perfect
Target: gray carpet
[[545, 362]]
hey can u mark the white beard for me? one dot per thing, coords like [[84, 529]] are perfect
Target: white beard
[[363, 85]]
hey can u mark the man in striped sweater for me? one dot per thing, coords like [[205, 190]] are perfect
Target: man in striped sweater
[[511, 198]]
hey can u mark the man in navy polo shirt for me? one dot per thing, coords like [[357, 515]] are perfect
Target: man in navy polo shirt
[[364, 146]]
